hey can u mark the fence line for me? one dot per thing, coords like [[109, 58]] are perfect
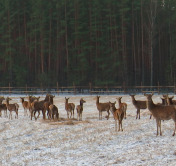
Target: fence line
[[88, 89]]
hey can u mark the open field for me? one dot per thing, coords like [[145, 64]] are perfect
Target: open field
[[88, 142]]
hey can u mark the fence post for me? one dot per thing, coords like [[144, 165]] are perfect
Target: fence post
[[141, 89], [26, 89], [9, 89], [74, 88], [124, 87], [58, 88], [107, 89], [42, 88], [90, 88], [158, 88]]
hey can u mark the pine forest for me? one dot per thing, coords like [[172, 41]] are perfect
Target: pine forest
[[105, 42]]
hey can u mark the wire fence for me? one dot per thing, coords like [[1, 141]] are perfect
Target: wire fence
[[88, 90]]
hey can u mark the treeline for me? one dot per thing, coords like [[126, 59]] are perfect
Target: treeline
[[82, 41]]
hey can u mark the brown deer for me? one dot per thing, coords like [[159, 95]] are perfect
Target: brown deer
[[102, 107], [39, 105], [170, 100], [25, 105], [118, 114], [53, 112], [33, 100], [138, 105], [164, 102], [122, 105], [3, 107], [46, 106], [79, 109], [69, 107], [161, 112], [12, 107]]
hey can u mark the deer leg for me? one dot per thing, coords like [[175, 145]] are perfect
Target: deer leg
[[119, 125], [115, 125], [67, 115], [160, 127], [31, 114], [157, 126], [124, 115], [137, 114], [73, 113], [108, 115], [150, 116], [174, 130]]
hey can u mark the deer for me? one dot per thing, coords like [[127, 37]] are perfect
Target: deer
[[39, 105], [138, 105], [47, 104], [164, 102], [25, 105], [122, 105], [79, 109], [69, 107], [118, 114], [170, 100], [3, 107], [102, 107], [161, 112], [33, 100], [53, 112], [12, 107]]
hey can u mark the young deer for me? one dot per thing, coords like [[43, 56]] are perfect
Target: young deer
[[79, 109], [25, 105], [12, 107], [102, 107], [122, 105], [138, 105], [161, 112], [69, 107], [118, 114], [53, 112]]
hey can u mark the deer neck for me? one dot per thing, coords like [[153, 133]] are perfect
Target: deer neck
[[97, 100], [150, 104], [133, 100], [81, 103]]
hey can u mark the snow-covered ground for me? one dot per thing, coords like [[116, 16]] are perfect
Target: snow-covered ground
[[88, 142]]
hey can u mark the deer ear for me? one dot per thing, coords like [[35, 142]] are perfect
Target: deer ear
[[172, 97]]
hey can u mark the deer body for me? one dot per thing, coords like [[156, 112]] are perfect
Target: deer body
[[122, 105], [69, 107], [102, 107], [79, 109], [118, 114], [138, 105], [12, 107], [161, 112], [54, 112]]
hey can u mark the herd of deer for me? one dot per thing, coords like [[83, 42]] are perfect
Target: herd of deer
[[160, 111]]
